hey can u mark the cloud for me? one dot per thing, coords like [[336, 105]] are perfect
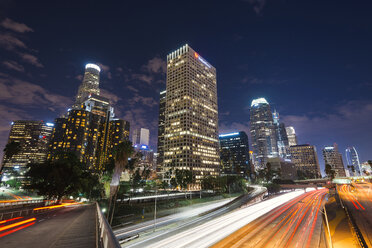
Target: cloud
[[131, 88], [15, 26], [143, 77], [146, 101], [16, 91], [31, 59], [105, 68], [10, 42], [258, 5], [233, 127], [156, 65], [13, 66], [79, 77], [256, 81], [111, 96]]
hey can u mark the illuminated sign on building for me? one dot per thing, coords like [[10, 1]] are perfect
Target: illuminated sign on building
[[228, 134], [201, 60]]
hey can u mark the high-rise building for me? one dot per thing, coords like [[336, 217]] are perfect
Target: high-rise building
[[291, 134], [234, 151], [160, 157], [90, 129], [90, 84], [281, 135], [306, 160], [191, 114], [33, 137], [141, 136], [263, 131], [286, 168], [352, 159], [334, 159]]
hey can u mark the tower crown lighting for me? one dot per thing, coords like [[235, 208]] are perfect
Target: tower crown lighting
[[258, 101], [94, 66]]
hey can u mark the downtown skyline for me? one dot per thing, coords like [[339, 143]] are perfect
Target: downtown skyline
[[40, 81]]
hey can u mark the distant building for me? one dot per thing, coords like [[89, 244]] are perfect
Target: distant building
[[352, 160], [334, 159], [191, 115], [306, 160], [291, 134], [285, 167], [90, 84], [263, 131], [281, 135], [33, 137], [234, 152], [161, 126], [366, 169], [141, 136]]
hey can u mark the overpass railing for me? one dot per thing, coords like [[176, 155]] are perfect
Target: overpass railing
[[105, 237]]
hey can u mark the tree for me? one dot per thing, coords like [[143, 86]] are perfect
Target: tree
[[62, 177], [329, 171], [12, 149], [183, 178]]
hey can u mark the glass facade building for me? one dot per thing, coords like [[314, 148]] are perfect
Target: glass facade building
[[161, 125], [263, 131], [352, 159], [334, 159], [234, 150]]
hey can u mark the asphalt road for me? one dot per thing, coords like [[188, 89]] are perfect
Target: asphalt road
[[296, 223], [208, 231], [71, 226], [358, 198]]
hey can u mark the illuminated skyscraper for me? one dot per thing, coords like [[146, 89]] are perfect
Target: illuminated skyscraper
[[235, 154], [263, 131], [90, 84], [334, 159], [33, 137], [291, 134], [306, 160], [191, 114], [141, 136], [352, 159], [161, 124], [281, 135]]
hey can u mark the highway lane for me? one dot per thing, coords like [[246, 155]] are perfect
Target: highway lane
[[129, 231], [210, 231], [296, 223], [70, 226], [358, 198]]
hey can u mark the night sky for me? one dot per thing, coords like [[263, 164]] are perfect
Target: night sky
[[311, 60]]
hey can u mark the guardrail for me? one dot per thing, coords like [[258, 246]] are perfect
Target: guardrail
[[7, 203], [356, 229], [105, 237]]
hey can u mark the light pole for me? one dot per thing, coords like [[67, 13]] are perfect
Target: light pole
[[156, 197]]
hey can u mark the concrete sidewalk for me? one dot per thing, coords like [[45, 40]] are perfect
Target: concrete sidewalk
[[73, 226]]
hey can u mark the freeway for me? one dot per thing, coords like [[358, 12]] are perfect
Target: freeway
[[67, 226], [296, 223], [125, 232], [358, 199], [208, 231]]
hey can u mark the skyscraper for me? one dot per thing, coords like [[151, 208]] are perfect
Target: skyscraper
[[334, 159], [281, 135], [352, 159], [141, 136], [90, 84], [235, 154], [306, 160], [291, 134], [161, 124], [33, 137], [191, 114], [263, 131]]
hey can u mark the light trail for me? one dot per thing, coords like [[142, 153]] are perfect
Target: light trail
[[57, 206], [16, 229], [16, 224], [4, 221], [212, 231]]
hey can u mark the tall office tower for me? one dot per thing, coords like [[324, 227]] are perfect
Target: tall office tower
[[118, 132], [291, 134], [306, 160], [263, 131], [160, 157], [352, 159], [191, 115], [281, 135], [234, 150], [334, 159], [33, 137], [141, 136], [90, 84]]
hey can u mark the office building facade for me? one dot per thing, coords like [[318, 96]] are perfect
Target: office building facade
[[306, 160], [90, 84], [161, 126], [191, 115], [263, 131], [141, 136], [292, 137], [332, 157], [234, 152]]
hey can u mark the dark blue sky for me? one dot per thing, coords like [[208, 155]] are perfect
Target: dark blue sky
[[310, 59]]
